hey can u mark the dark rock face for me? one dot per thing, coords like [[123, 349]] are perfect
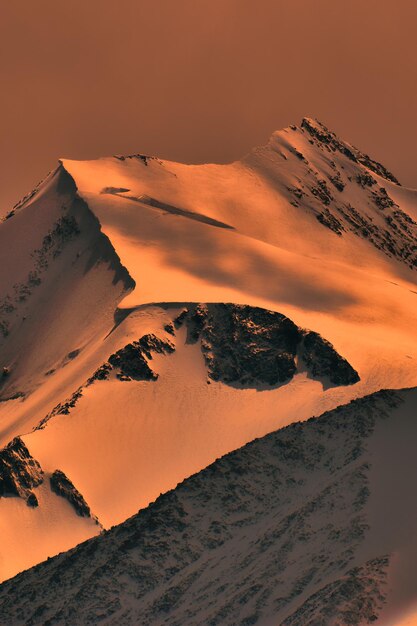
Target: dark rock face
[[131, 361], [253, 347], [354, 598], [114, 190], [131, 364], [102, 373], [322, 360], [248, 345], [169, 328], [62, 486], [179, 320], [19, 472]]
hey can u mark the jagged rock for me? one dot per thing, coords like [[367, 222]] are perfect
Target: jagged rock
[[9, 215], [337, 181], [179, 320], [32, 500], [150, 343], [382, 199], [64, 230], [62, 486], [102, 373], [19, 472], [169, 328], [196, 322], [365, 180], [249, 346], [14, 396], [328, 219], [324, 362], [65, 407], [322, 192], [131, 361], [131, 364], [320, 133]]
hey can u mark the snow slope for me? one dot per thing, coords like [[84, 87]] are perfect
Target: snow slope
[[312, 524], [106, 252]]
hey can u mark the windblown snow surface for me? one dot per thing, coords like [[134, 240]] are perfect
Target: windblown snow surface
[[155, 316]]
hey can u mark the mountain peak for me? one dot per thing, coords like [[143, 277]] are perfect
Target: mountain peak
[[320, 134]]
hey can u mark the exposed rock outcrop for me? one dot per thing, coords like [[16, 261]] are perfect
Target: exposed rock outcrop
[[131, 362], [323, 361], [249, 346], [19, 472], [62, 486]]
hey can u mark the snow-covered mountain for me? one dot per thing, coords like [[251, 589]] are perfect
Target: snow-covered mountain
[[155, 316], [313, 524]]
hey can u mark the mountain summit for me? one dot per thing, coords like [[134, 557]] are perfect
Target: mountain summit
[[155, 316]]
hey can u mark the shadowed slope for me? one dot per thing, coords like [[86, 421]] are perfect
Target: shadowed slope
[[279, 530], [63, 285]]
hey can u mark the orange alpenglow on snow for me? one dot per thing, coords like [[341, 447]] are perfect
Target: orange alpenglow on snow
[[156, 316]]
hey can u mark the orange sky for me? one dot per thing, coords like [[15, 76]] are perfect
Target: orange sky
[[200, 80]]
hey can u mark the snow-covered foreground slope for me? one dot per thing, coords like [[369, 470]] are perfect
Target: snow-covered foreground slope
[[99, 262], [312, 524]]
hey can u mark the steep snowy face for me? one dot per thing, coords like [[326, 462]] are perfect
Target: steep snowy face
[[60, 284], [346, 190], [294, 528]]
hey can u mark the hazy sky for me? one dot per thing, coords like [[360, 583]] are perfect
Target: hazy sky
[[200, 80]]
